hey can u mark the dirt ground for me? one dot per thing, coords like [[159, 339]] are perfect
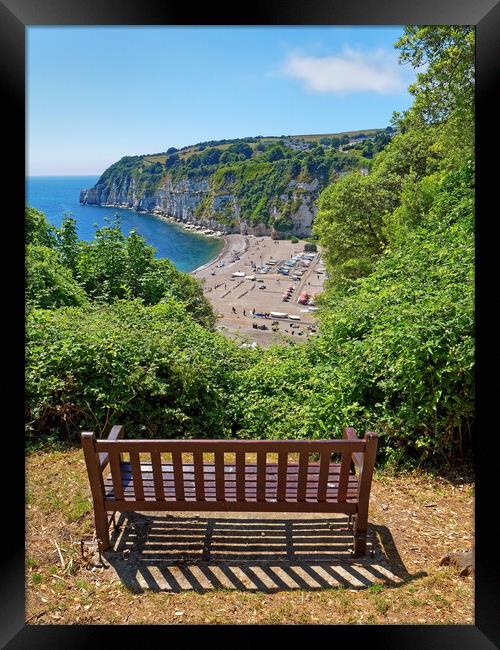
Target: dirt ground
[[265, 293], [211, 568]]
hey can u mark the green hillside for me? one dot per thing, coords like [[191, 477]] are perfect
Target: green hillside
[[269, 178]]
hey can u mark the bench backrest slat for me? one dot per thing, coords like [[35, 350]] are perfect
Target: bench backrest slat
[[324, 467], [282, 475], [231, 447], [302, 477], [345, 465], [261, 476], [178, 475], [135, 462], [219, 476], [240, 476], [199, 480], [116, 474], [157, 475]]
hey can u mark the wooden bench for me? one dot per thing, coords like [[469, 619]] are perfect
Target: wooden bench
[[140, 478]]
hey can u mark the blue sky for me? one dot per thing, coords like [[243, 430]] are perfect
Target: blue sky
[[95, 94]]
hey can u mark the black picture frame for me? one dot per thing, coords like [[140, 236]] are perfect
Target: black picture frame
[[15, 16]]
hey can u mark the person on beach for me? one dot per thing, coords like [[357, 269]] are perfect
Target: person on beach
[[253, 311], [234, 310], [244, 312]]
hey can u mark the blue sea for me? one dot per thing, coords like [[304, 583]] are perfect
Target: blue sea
[[58, 195]]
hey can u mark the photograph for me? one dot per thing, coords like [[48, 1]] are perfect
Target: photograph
[[250, 325]]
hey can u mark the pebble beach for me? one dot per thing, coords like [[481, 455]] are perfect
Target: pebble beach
[[239, 299]]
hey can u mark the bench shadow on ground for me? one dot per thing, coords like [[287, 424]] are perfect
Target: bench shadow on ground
[[171, 553]]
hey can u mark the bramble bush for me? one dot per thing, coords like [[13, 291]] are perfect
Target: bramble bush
[[151, 367]]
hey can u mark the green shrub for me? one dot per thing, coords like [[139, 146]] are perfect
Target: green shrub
[[37, 229], [402, 339], [49, 284], [152, 368]]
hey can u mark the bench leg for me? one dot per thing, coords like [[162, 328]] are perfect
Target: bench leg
[[360, 528], [102, 528]]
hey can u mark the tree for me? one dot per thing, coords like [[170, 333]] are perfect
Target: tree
[[410, 152], [350, 222], [102, 264], [140, 257], [241, 148], [172, 160], [367, 149], [274, 153], [171, 150], [37, 229], [194, 161], [447, 84], [444, 91], [49, 284], [67, 242], [228, 157], [210, 156], [161, 280]]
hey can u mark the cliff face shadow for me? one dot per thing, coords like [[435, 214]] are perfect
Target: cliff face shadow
[[177, 553]]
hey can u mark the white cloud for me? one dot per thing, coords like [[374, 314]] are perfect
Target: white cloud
[[348, 72]]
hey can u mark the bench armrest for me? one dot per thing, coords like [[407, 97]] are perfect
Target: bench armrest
[[350, 434], [116, 433]]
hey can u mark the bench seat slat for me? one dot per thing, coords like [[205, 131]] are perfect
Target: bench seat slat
[[269, 493], [349, 507]]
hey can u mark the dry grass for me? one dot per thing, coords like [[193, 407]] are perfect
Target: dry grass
[[426, 516]]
